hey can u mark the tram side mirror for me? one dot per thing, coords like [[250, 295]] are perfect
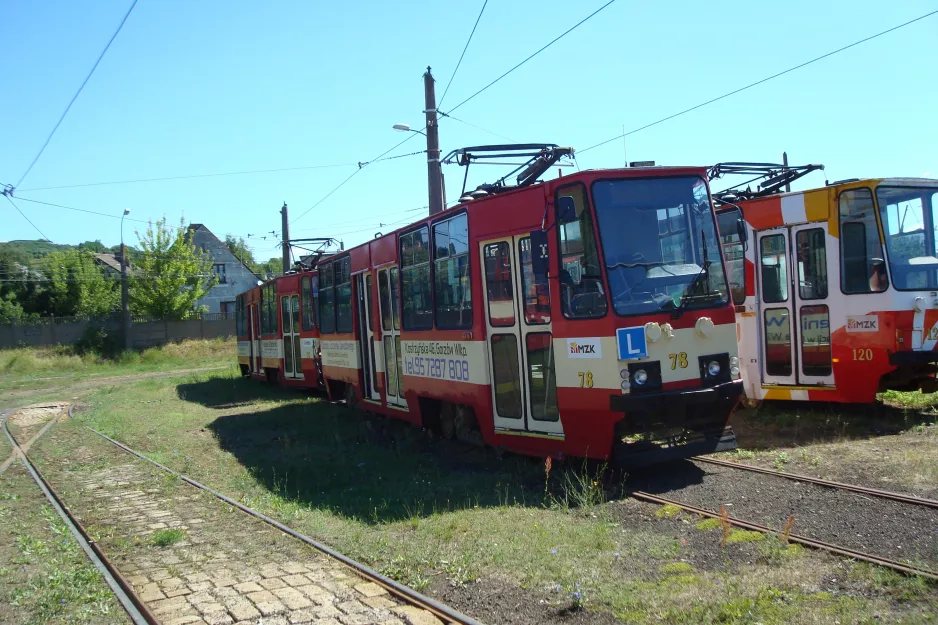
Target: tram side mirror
[[540, 257], [566, 210], [742, 233]]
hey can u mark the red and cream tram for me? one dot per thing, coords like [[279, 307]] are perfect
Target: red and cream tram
[[837, 296], [587, 315]]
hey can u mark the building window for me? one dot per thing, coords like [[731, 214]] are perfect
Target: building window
[[343, 295], [452, 288], [415, 277], [226, 309], [219, 270]]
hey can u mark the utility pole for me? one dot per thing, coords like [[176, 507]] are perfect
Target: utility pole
[[125, 291], [434, 171], [285, 237]]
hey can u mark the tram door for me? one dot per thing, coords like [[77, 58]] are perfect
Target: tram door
[[389, 299], [252, 338], [363, 286], [290, 318], [795, 341], [521, 352]]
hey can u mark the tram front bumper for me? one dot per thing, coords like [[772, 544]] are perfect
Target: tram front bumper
[[721, 398], [675, 424]]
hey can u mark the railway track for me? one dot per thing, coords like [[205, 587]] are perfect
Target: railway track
[[863, 490], [408, 595], [794, 538], [135, 607]]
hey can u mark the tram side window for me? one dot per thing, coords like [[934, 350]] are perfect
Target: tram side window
[[535, 291], [307, 296], [862, 267], [774, 269], [453, 290], [327, 300], [812, 263], [734, 253], [581, 290], [541, 377], [239, 316], [265, 309], [417, 299], [343, 294]]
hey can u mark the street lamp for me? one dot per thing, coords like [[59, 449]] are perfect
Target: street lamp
[[125, 294], [407, 128]]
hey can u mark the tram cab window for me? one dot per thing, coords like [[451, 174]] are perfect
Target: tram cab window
[[733, 252], [908, 215], [343, 295], [862, 267], [582, 295], [417, 299], [452, 288]]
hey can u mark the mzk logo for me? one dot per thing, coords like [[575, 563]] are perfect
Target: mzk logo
[[576, 348], [584, 348], [863, 323]]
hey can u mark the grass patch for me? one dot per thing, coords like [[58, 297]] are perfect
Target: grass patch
[[167, 537], [708, 524], [744, 536], [668, 511], [677, 568]]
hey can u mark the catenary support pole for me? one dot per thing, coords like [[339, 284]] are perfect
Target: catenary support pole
[[285, 237], [434, 172]]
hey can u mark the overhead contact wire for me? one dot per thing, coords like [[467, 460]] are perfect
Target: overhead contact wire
[[77, 93]]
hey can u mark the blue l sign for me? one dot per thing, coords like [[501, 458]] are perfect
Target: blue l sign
[[631, 343]]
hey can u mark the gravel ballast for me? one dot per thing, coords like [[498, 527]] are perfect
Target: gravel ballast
[[881, 527]]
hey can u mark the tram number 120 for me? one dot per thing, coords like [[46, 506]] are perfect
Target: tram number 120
[[863, 354]]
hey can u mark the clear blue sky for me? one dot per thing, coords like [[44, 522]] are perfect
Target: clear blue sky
[[217, 86]]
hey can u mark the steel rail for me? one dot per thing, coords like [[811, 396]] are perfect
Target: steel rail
[[136, 609], [25, 446], [885, 494], [441, 611], [795, 538]]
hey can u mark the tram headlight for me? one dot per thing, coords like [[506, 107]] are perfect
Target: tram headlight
[[713, 368], [640, 377], [624, 374], [625, 385], [734, 371], [734, 361]]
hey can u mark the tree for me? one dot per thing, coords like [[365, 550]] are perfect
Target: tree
[[170, 275], [93, 246], [273, 267], [240, 249], [75, 286]]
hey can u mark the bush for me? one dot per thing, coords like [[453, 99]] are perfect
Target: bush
[[99, 341]]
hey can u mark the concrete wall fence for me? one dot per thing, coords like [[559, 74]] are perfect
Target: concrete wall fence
[[144, 333]]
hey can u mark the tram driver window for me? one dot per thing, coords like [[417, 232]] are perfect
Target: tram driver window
[[581, 284], [733, 252], [862, 267]]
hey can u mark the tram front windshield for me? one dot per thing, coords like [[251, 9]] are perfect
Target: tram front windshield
[[659, 244], [910, 223]]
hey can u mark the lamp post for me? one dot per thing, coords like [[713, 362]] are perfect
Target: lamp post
[[125, 293]]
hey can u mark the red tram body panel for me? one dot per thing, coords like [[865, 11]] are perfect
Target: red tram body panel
[[587, 316]]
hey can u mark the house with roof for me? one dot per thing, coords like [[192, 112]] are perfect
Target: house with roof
[[110, 264], [234, 277]]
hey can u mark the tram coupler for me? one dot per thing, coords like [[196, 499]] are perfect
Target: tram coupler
[[646, 453]]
